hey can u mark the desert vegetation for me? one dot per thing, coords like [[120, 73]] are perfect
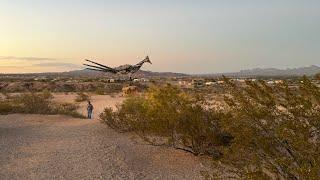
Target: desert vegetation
[[260, 131], [81, 96], [317, 76], [36, 103], [21, 85], [100, 86], [182, 120]]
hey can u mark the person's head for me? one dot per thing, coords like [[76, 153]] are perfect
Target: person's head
[[89, 102], [147, 60]]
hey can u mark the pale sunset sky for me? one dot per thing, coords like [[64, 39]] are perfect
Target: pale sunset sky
[[203, 36]]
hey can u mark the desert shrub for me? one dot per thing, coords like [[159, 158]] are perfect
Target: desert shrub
[[68, 88], [68, 109], [99, 91], [33, 103], [6, 107], [82, 97], [110, 118], [4, 95], [181, 120], [112, 88], [273, 126], [37, 103], [47, 94], [264, 131], [317, 76]]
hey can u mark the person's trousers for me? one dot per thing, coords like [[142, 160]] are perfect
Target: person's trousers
[[89, 114]]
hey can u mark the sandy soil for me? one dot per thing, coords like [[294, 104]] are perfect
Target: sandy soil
[[61, 147]]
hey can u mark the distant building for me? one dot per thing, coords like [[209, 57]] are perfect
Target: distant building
[[241, 80], [182, 83], [40, 78], [198, 83], [145, 80], [210, 83], [278, 81], [141, 80]]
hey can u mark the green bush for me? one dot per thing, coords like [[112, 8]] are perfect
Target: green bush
[[37, 103], [181, 119], [273, 126], [262, 131], [34, 103]]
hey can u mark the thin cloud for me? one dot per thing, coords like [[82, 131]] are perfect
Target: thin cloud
[[57, 64], [26, 58], [13, 66]]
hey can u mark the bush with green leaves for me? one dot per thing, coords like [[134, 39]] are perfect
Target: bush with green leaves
[[34, 103], [263, 131], [273, 127], [182, 119], [37, 103]]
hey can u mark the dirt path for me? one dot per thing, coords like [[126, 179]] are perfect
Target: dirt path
[[60, 147], [99, 102]]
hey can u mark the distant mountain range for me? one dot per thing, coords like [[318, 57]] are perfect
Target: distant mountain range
[[268, 72], [140, 73], [309, 71], [89, 73]]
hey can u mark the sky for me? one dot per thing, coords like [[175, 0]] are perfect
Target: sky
[[203, 36]]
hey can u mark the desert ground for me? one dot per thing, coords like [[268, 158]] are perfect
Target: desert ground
[[62, 147]]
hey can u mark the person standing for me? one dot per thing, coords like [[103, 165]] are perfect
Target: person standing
[[90, 110]]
